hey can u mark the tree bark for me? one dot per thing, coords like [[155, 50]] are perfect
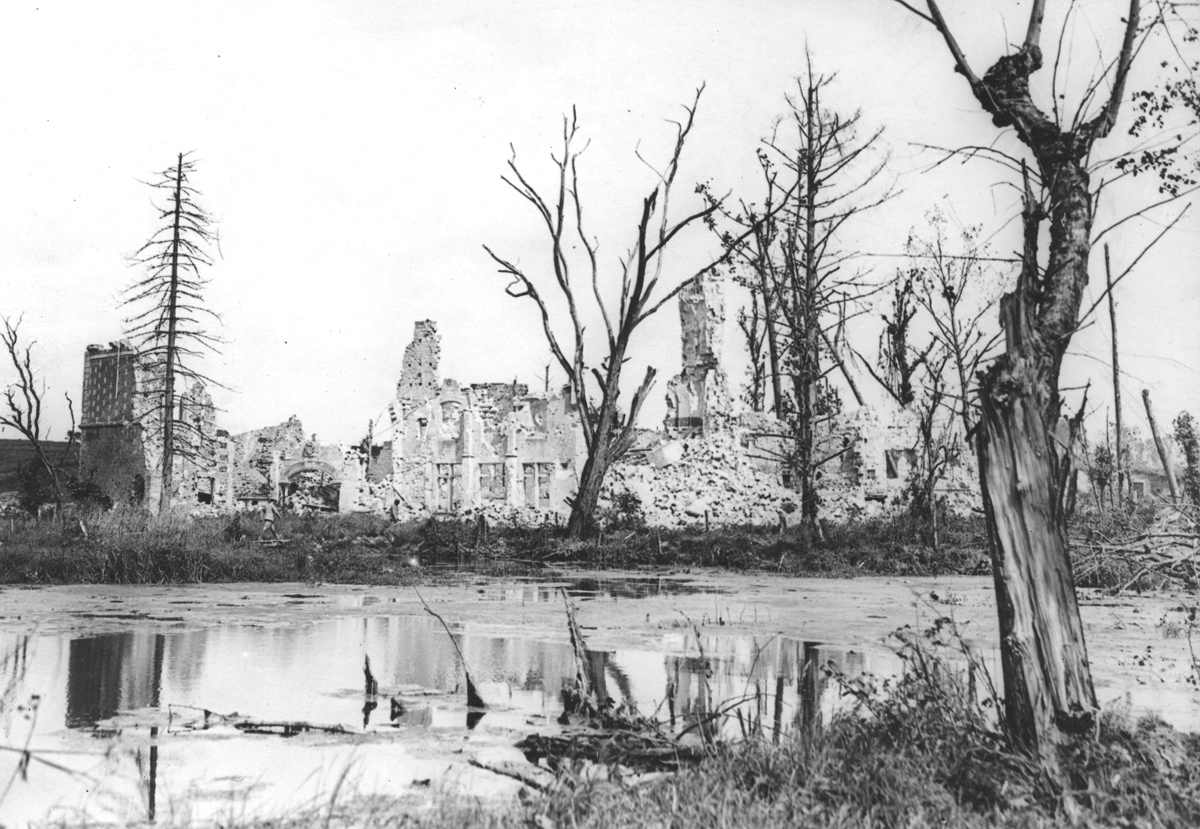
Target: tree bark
[[1047, 680]]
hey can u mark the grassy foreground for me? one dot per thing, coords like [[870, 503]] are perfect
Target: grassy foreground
[[131, 547]]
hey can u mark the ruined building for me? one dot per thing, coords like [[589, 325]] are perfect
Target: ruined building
[[499, 449], [481, 446], [121, 435], [505, 451]]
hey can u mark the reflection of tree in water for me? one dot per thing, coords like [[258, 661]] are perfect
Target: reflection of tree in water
[[13, 664], [601, 666], [112, 672], [780, 684]]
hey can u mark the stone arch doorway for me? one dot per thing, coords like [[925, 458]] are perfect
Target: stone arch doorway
[[310, 486]]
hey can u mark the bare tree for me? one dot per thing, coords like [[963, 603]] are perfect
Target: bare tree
[[939, 443], [595, 383], [957, 291], [23, 399], [171, 328], [1048, 686], [899, 361], [755, 331], [820, 172]]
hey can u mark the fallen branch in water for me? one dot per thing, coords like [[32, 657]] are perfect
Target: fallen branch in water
[[249, 725], [473, 698]]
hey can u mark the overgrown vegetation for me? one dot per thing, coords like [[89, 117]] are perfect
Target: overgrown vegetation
[[129, 546]]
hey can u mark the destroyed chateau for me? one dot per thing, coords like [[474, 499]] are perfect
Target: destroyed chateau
[[504, 451]]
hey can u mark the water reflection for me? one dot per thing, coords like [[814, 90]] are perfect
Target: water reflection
[[387, 675], [637, 587], [108, 673], [316, 672]]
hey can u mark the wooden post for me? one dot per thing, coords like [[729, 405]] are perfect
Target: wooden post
[[1162, 449]]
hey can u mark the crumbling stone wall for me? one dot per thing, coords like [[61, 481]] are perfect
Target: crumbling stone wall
[[420, 376], [698, 401], [121, 434], [488, 446]]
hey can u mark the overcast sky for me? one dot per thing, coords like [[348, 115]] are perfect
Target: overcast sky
[[352, 153]]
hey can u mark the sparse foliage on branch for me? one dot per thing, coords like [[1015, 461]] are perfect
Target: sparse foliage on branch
[[957, 285], [23, 400], [169, 323], [939, 440], [899, 360], [753, 325], [645, 286], [1188, 440]]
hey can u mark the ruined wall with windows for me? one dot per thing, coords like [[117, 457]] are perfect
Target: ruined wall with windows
[[491, 447]]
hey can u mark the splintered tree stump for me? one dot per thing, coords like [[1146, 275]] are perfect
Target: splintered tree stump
[[1047, 682]]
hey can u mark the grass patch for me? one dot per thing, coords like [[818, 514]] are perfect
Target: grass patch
[[127, 546]]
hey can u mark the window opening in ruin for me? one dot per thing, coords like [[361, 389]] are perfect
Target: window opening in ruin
[[449, 487], [870, 474], [545, 470], [537, 484], [1139, 489], [530, 472], [892, 459], [785, 476], [422, 422], [137, 492], [849, 467], [204, 490], [492, 481]]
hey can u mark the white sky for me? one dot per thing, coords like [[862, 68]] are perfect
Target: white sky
[[352, 152]]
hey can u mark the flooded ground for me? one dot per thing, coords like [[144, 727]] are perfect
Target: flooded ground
[[145, 703]]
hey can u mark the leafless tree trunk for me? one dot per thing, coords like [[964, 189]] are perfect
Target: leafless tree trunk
[[1162, 449], [170, 330], [754, 330], [826, 151], [819, 173], [608, 431], [1047, 678], [1119, 458], [23, 398]]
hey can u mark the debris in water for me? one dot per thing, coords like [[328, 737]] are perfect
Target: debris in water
[[473, 698]]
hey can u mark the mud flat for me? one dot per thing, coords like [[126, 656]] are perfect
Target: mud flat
[[189, 702]]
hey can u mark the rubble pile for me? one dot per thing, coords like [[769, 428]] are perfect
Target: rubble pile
[[688, 478]]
